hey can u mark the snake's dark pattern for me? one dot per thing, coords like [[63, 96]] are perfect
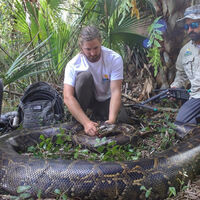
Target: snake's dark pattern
[[82, 179], [92, 179]]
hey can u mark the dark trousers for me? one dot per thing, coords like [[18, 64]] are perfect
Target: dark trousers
[[189, 112], [84, 93]]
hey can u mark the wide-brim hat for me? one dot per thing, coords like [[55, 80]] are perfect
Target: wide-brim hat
[[192, 12]]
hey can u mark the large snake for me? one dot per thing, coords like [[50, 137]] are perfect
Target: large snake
[[81, 179]]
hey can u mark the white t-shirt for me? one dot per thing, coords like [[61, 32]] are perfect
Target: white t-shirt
[[108, 68]]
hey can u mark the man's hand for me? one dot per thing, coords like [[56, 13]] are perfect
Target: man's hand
[[90, 128], [172, 98], [109, 122], [75, 109]]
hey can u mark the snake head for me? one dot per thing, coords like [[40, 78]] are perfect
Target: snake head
[[106, 129]]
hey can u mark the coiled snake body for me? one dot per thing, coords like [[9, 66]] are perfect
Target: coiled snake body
[[92, 179], [83, 179]]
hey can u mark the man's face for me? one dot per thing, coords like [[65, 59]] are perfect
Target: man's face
[[92, 50], [193, 31]]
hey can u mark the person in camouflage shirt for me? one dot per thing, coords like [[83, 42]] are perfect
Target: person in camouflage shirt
[[188, 67]]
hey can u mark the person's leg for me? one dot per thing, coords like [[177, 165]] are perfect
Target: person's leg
[[189, 112], [101, 112], [84, 89], [123, 115]]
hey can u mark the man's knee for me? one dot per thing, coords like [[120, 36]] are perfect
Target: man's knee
[[123, 115], [84, 89], [83, 79], [189, 111]]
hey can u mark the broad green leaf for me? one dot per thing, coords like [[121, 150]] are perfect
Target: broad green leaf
[[24, 188]]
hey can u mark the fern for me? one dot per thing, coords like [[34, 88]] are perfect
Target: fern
[[155, 37]]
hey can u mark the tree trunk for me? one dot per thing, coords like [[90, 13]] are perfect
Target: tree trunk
[[174, 37]]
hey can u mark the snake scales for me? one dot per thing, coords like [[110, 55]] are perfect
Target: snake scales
[[92, 179], [83, 179]]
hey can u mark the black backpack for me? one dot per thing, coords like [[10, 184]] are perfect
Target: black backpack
[[41, 105]]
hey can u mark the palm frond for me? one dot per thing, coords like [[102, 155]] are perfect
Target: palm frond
[[27, 62]]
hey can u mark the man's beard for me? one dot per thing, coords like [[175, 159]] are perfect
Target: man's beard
[[94, 58], [194, 36]]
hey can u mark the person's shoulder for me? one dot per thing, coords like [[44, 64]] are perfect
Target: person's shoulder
[[78, 63], [110, 53], [188, 49], [187, 45], [75, 60]]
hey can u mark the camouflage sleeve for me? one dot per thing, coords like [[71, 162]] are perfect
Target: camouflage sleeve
[[181, 77]]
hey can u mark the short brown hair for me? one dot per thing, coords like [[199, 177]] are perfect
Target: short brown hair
[[89, 33]]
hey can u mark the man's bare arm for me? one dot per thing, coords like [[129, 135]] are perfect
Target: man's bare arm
[[77, 112], [115, 101]]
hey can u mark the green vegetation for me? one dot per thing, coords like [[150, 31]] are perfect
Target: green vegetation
[[36, 42], [172, 191], [155, 37], [147, 191], [159, 137], [23, 192]]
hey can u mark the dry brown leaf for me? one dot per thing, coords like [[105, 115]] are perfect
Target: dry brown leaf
[[147, 88]]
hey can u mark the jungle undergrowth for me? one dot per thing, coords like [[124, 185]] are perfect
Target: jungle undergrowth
[[155, 134]]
